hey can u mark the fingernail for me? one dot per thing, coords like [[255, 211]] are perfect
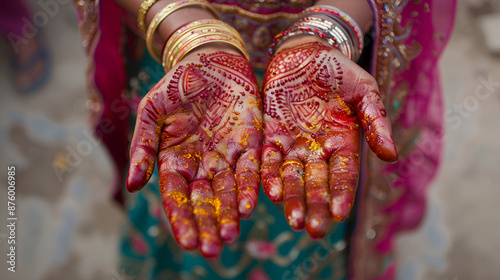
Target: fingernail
[[245, 208], [274, 192], [295, 214], [210, 248], [341, 205], [229, 232], [318, 221], [189, 241]]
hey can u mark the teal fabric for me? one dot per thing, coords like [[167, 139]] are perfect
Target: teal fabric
[[148, 250]]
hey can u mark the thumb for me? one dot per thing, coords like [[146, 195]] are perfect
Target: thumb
[[373, 116]]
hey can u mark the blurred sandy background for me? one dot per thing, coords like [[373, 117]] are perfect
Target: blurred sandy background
[[68, 227]]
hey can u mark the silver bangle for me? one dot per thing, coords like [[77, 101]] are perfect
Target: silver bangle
[[349, 25], [325, 27]]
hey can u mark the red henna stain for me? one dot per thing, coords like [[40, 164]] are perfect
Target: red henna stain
[[383, 112], [311, 93]]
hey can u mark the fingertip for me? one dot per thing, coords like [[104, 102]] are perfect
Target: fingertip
[[133, 184], [248, 192], [273, 188], [185, 232], [210, 248], [140, 170], [270, 174], [229, 232], [394, 157], [190, 242], [341, 204], [386, 151], [295, 213], [383, 146], [318, 220], [246, 207]]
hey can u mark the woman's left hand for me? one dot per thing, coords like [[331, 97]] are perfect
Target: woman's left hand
[[202, 123], [315, 102]]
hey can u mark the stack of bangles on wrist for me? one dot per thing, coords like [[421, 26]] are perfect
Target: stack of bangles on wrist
[[329, 23], [197, 33], [190, 35]]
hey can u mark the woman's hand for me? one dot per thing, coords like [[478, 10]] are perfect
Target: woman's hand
[[204, 121], [315, 102]]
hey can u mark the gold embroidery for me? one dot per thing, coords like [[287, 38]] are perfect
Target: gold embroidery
[[393, 55], [261, 18], [90, 32], [397, 101], [255, 5]]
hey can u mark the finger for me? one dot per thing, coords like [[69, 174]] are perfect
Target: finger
[[270, 173], [176, 204], [344, 176], [203, 203], [224, 186], [373, 116], [144, 145], [293, 182], [151, 116], [318, 217], [248, 180]]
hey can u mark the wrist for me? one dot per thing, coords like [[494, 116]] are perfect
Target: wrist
[[199, 33], [330, 24], [212, 48], [300, 40]]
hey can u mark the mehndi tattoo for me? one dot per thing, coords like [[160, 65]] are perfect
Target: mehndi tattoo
[[204, 121], [315, 100]]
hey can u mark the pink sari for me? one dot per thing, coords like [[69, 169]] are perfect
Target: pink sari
[[410, 37]]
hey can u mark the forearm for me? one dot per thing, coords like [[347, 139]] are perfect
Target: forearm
[[173, 21]]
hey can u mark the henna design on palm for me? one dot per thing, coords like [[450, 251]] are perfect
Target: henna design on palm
[[202, 123], [315, 102]]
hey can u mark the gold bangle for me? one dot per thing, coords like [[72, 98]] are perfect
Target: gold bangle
[[201, 40], [186, 35], [203, 31], [233, 40], [197, 24], [192, 34], [141, 14], [166, 11], [209, 39]]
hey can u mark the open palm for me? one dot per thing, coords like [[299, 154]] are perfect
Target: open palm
[[316, 101], [202, 124]]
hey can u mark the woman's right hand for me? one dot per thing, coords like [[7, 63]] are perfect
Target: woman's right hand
[[202, 123], [316, 102]]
